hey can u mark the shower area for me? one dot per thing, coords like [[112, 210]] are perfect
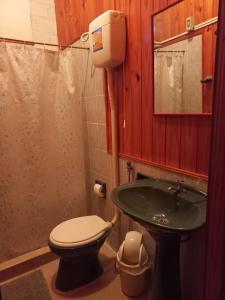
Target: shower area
[[178, 73], [44, 152], [169, 69]]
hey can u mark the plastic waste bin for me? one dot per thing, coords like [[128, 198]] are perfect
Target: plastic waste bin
[[132, 262]]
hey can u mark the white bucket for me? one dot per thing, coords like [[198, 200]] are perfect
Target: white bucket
[[132, 277]]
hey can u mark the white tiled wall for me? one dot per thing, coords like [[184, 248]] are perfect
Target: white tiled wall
[[43, 21], [15, 19], [28, 20]]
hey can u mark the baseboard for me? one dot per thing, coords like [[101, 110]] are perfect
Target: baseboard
[[25, 263]]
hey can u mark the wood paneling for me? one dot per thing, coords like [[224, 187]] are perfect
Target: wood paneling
[[147, 88], [159, 141], [69, 16], [203, 139], [74, 16], [132, 81], [215, 279], [209, 48], [189, 130], [179, 143], [172, 22], [173, 137], [159, 5]]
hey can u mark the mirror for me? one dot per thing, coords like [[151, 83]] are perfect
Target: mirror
[[184, 57]]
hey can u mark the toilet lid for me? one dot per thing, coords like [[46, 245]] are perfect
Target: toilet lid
[[79, 231]]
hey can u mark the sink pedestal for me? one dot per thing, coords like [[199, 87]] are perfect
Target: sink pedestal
[[166, 272]]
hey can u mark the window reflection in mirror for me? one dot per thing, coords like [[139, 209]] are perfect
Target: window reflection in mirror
[[184, 61]]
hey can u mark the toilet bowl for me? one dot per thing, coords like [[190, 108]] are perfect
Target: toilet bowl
[[77, 242]]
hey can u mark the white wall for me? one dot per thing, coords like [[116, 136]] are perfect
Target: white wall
[[15, 19], [32, 20], [43, 21]]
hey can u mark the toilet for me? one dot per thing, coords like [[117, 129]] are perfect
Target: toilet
[[77, 242]]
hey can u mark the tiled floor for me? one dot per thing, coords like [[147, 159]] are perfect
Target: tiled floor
[[106, 287]]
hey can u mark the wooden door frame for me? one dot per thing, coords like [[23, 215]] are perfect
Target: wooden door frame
[[215, 244]]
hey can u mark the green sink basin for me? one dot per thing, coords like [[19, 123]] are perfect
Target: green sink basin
[[154, 203]]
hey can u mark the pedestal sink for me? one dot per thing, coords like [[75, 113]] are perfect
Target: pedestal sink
[[169, 212]]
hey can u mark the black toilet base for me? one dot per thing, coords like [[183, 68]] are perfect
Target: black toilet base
[[78, 271], [78, 266]]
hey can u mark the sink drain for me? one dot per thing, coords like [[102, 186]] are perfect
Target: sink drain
[[160, 219]]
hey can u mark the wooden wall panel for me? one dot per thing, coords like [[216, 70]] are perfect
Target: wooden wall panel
[[188, 143], [173, 141], [147, 74], [173, 22], [159, 141], [74, 16], [204, 137], [159, 5], [177, 142], [215, 279], [210, 9], [91, 9], [69, 15], [170, 2], [197, 10], [132, 82], [209, 49]]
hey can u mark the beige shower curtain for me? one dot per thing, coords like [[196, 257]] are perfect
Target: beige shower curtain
[[41, 157], [168, 78]]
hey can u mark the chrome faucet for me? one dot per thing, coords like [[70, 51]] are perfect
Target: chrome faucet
[[178, 188]]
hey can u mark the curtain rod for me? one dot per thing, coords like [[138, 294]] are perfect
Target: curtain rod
[[33, 43], [175, 51], [196, 27]]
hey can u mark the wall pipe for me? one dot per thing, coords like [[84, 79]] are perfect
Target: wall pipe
[[114, 128]]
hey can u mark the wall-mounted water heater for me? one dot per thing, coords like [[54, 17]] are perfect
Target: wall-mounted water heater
[[107, 36]]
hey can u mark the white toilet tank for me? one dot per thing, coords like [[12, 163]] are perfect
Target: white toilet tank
[[107, 36]]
